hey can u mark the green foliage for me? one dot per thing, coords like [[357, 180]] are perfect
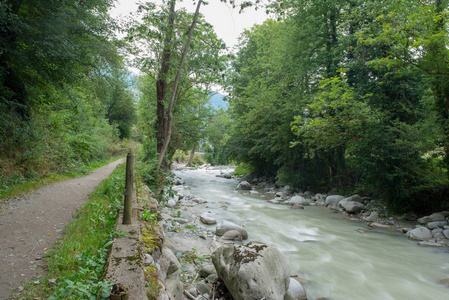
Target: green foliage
[[242, 169], [63, 97], [378, 128]]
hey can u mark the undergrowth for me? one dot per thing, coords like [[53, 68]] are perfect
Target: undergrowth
[[78, 259]]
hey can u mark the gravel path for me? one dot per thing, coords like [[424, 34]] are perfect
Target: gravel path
[[30, 225]]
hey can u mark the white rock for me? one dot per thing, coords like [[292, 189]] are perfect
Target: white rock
[[224, 226], [207, 218], [295, 291], [333, 200], [352, 207], [253, 271], [232, 235], [244, 185], [372, 217], [420, 234], [170, 203], [298, 200]]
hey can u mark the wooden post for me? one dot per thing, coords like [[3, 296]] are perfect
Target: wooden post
[[129, 189]]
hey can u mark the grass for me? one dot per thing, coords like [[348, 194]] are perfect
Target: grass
[[78, 259], [242, 169], [22, 187]]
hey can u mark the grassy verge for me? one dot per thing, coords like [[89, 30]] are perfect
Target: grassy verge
[[23, 187], [78, 259]]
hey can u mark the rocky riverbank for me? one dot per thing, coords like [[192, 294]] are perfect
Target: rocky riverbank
[[199, 258], [428, 231]]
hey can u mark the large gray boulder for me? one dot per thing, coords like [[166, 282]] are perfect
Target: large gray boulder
[[352, 207], [420, 234], [244, 185], [333, 200], [225, 226], [295, 291], [298, 200], [253, 271]]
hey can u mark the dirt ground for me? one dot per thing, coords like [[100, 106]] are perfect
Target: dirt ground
[[31, 224]]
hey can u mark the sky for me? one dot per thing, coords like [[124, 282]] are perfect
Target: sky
[[227, 22]]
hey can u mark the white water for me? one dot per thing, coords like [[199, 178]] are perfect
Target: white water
[[322, 247]]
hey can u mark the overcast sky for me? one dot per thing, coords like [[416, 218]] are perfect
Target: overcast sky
[[228, 23]]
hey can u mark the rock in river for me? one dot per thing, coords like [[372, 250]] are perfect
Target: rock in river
[[225, 226], [207, 218], [420, 233], [298, 200], [244, 185], [253, 271]]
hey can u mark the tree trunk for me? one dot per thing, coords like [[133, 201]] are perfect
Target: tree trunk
[[192, 154], [161, 83], [168, 128]]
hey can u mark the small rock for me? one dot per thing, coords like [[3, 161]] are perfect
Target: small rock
[[436, 224], [20, 289], [295, 291], [446, 233], [232, 235], [372, 217], [298, 200], [207, 218], [430, 244], [203, 288], [297, 206], [333, 200], [171, 203], [244, 185], [253, 192], [444, 282], [378, 225], [51, 282], [181, 220], [225, 226], [207, 270]]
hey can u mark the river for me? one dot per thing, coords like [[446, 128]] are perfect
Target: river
[[340, 261]]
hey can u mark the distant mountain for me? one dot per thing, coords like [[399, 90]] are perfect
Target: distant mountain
[[217, 101]]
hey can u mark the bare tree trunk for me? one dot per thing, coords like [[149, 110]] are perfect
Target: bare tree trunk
[[192, 154], [168, 128], [161, 83]]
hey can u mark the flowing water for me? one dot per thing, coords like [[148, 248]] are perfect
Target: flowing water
[[340, 262]]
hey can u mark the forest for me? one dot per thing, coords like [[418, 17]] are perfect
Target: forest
[[327, 96]]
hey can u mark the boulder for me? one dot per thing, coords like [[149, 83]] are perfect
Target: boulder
[[244, 185], [446, 233], [175, 288], [295, 291], [253, 271], [298, 200], [225, 226], [436, 217], [420, 234], [232, 235], [372, 217], [207, 270], [356, 198], [207, 218], [436, 224], [333, 200], [352, 207], [253, 192], [169, 264]]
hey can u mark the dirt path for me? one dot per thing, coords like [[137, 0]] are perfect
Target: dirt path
[[32, 223]]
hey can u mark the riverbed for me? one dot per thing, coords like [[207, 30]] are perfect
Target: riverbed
[[340, 259]]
